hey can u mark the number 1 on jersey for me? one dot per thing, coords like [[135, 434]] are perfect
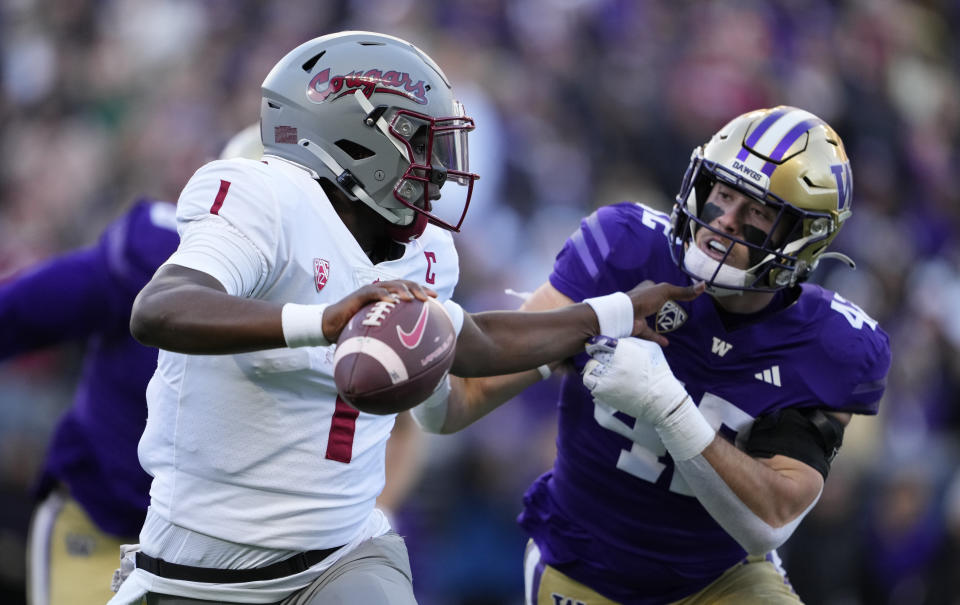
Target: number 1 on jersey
[[342, 427], [221, 195]]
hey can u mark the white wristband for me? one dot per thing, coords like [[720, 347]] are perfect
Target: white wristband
[[545, 371], [615, 313], [303, 325], [685, 432]]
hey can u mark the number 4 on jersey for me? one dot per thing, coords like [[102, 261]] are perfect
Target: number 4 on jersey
[[854, 314]]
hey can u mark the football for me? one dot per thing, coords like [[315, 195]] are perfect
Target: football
[[392, 355]]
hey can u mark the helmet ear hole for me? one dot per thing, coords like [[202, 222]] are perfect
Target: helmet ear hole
[[355, 150], [308, 66]]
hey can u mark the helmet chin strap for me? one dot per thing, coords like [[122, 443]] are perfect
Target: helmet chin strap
[[358, 191], [379, 122], [713, 272], [836, 256], [411, 232]]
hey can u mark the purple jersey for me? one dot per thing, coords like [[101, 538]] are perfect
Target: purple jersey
[[87, 295], [612, 513]]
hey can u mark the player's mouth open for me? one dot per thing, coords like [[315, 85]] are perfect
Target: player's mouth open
[[715, 248]]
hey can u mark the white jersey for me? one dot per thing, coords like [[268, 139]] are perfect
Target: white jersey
[[256, 448]]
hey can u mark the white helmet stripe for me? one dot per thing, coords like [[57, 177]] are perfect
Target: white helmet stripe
[[772, 138], [367, 107], [357, 190]]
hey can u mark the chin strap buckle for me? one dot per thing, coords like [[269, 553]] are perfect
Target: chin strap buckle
[[346, 180], [377, 113]]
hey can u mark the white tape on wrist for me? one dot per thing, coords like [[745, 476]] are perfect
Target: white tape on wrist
[[545, 371], [685, 432], [303, 325], [615, 313]]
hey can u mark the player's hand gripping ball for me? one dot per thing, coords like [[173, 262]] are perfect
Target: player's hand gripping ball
[[392, 355]]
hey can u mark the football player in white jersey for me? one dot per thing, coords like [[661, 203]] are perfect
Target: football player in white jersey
[[264, 479]]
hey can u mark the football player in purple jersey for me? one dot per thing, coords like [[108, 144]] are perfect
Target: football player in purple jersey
[[92, 492], [680, 469]]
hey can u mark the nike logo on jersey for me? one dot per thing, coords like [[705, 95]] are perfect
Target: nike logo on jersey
[[771, 376], [720, 347], [412, 338]]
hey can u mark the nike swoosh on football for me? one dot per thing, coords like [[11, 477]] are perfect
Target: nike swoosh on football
[[412, 338]]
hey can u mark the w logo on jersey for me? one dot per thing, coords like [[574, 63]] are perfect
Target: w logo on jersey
[[321, 272], [720, 347], [844, 177]]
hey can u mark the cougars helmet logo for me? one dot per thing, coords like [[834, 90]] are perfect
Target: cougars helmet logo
[[322, 87]]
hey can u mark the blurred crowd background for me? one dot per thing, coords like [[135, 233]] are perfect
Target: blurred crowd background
[[578, 104]]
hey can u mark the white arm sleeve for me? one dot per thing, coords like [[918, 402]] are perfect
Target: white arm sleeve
[[727, 509], [432, 413], [217, 248], [455, 312]]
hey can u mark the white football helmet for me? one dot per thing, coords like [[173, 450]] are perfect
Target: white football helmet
[[786, 158], [244, 144], [375, 116]]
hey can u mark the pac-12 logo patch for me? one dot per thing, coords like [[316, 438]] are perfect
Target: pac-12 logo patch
[[321, 272], [670, 317]]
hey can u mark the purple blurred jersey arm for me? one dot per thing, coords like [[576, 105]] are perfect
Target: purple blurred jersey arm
[[87, 291], [66, 298]]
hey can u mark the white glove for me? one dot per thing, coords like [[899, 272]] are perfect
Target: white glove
[[632, 375], [128, 562]]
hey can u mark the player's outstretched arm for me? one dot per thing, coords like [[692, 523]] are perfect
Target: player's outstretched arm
[[503, 342], [474, 393], [473, 398], [64, 298], [188, 311]]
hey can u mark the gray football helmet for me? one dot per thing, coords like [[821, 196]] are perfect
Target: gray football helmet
[[785, 158], [375, 116]]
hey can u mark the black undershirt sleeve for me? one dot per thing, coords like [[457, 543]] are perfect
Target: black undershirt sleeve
[[809, 435]]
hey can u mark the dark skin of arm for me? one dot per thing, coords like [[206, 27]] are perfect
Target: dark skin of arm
[[188, 311]]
